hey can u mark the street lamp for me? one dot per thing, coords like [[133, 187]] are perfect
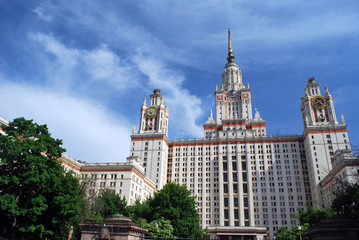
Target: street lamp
[[300, 232]]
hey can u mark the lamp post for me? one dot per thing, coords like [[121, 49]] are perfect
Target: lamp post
[[300, 232]]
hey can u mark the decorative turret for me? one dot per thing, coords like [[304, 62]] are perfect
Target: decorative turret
[[210, 118], [257, 116], [342, 117], [317, 109], [154, 118]]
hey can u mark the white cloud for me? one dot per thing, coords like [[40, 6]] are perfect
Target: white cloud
[[41, 14], [277, 23], [78, 66], [184, 108], [103, 65], [89, 131]]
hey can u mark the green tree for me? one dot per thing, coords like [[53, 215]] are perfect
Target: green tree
[[38, 199], [160, 228], [346, 201], [312, 216], [140, 210], [306, 218], [285, 234], [107, 203], [175, 203], [206, 234], [112, 203]]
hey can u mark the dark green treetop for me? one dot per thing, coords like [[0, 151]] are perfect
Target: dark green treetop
[[175, 203], [346, 201], [38, 199]]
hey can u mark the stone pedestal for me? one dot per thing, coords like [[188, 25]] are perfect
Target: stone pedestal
[[115, 227]]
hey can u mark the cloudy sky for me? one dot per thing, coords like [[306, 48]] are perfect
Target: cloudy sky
[[83, 67]]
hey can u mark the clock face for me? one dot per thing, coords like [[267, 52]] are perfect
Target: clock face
[[232, 93], [151, 112], [319, 102]]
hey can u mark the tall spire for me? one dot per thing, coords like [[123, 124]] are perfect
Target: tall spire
[[230, 57]]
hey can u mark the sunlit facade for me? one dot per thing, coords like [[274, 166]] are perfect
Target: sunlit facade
[[247, 183]]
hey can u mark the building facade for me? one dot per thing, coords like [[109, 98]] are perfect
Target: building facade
[[127, 179], [247, 183], [345, 169]]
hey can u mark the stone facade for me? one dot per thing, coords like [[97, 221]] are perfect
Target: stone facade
[[244, 179], [345, 170], [113, 228], [128, 179]]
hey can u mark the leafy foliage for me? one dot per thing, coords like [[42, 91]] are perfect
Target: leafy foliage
[[206, 234], [312, 216], [141, 211], [107, 203], [285, 234], [306, 218], [38, 199], [174, 203], [159, 228], [112, 203], [346, 201]]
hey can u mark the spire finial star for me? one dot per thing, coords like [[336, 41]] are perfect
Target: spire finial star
[[230, 57]]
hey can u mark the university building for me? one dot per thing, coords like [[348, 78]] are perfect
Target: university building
[[247, 183]]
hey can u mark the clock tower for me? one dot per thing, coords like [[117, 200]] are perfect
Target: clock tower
[[317, 110], [322, 136], [154, 118], [151, 142], [233, 100]]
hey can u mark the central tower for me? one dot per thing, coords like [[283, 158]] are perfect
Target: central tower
[[233, 100]]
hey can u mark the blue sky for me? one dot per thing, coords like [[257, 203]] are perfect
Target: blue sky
[[84, 67]]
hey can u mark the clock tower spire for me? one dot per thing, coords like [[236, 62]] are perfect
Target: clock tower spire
[[154, 118], [233, 99], [230, 57]]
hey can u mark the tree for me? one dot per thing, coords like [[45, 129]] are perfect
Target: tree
[[110, 203], [140, 210], [38, 199], [206, 234], [159, 228], [285, 234], [312, 216], [306, 218], [346, 201], [175, 203]]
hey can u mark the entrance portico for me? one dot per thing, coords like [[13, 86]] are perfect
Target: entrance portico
[[238, 233]]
